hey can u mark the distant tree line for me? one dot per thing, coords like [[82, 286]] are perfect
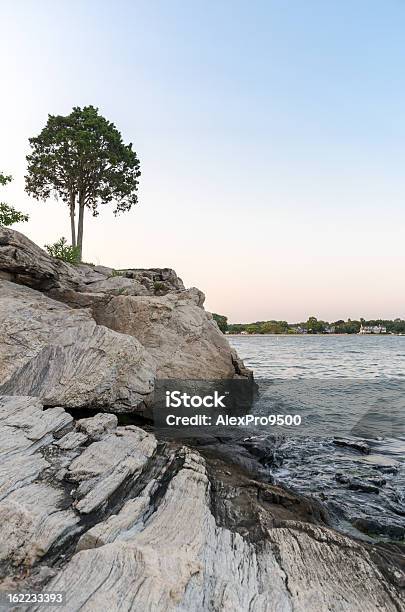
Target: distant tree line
[[260, 327], [313, 326]]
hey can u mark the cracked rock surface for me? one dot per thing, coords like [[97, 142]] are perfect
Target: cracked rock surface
[[121, 521], [61, 355], [177, 332]]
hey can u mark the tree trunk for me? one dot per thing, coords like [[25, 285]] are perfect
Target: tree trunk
[[72, 218], [80, 228]]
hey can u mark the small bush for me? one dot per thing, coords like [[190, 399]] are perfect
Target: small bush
[[158, 286], [64, 251]]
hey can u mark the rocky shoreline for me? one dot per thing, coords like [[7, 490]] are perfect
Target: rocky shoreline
[[116, 518], [115, 515]]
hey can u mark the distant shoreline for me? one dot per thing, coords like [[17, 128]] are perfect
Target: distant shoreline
[[312, 335]]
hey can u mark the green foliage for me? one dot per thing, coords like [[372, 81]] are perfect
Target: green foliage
[[4, 179], [118, 273], [396, 327], [273, 327], [8, 214], [313, 326], [222, 321], [260, 327], [158, 286], [348, 327], [82, 159], [62, 250]]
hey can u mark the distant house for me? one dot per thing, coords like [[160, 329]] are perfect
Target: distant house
[[373, 329]]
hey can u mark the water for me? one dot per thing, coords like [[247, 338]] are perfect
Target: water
[[344, 387], [323, 356]]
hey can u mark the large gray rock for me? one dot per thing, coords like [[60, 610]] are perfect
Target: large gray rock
[[22, 261], [25, 430], [183, 339], [61, 355], [106, 464], [37, 466], [153, 281], [125, 525], [149, 305]]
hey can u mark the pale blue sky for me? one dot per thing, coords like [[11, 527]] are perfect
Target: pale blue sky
[[271, 137]]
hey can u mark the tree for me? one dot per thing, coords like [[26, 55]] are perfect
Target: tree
[[82, 160], [314, 326], [8, 214], [222, 321]]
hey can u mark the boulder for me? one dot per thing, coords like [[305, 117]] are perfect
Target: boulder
[[156, 280], [104, 270], [358, 445], [106, 464], [61, 355], [117, 285], [95, 427], [183, 339], [22, 261], [150, 305]]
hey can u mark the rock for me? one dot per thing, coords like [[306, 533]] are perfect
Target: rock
[[24, 262], [165, 317], [379, 527], [95, 427], [355, 484], [61, 355], [183, 339], [154, 278], [72, 440], [132, 515], [141, 526], [32, 513], [358, 445], [350, 585], [378, 482], [117, 285], [104, 270], [25, 430], [170, 565], [32, 520], [35, 511], [105, 465]]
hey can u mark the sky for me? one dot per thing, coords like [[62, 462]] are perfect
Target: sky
[[271, 136]]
